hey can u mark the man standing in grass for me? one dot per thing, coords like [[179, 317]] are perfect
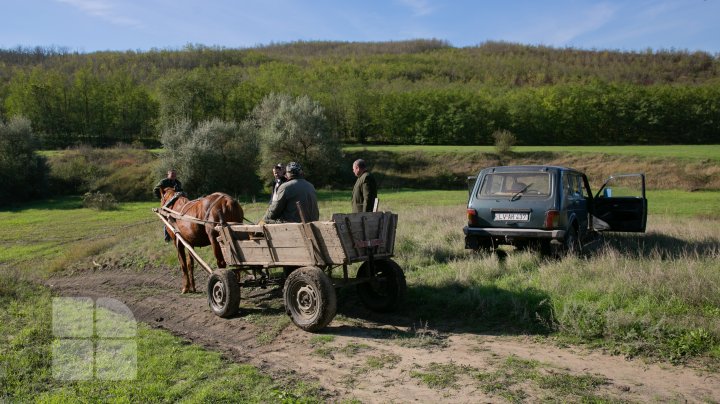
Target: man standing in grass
[[365, 189], [169, 181]]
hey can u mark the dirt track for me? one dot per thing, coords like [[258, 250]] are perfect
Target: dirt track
[[342, 367]]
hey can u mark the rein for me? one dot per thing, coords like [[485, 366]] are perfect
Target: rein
[[181, 215]]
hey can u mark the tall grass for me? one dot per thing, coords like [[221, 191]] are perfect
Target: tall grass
[[656, 294]]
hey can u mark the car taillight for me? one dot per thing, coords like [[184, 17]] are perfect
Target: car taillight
[[552, 218], [472, 217]]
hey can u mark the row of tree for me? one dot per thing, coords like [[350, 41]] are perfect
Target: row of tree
[[413, 92], [210, 156]]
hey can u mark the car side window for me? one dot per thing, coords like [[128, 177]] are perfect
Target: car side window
[[581, 187], [567, 186], [573, 186]]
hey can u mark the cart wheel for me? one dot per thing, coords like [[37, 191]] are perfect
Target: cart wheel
[[386, 287], [310, 298], [223, 293]]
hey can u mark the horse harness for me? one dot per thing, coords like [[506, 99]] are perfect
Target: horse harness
[[174, 215], [172, 200]]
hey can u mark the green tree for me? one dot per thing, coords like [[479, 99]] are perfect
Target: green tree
[[41, 96], [23, 173], [213, 156], [200, 94], [296, 129]]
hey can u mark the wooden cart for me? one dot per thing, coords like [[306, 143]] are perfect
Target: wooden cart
[[308, 253]]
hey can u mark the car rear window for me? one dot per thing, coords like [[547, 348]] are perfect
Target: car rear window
[[507, 184]]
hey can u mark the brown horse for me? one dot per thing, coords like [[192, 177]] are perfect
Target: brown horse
[[214, 208]]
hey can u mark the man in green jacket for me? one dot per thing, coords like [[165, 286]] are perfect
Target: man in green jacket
[[169, 181], [365, 189], [283, 207]]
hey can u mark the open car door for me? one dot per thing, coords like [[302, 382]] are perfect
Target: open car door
[[621, 203]]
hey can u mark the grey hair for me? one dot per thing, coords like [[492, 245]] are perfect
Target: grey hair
[[360, 163]]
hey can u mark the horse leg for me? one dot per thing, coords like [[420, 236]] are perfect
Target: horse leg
[[217, 251], [191, 272], [183, 265]]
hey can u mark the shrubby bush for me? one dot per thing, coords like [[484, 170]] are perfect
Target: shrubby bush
[[212, 156], [99, 201], [125, 172], [504, 141], [296, 129], [23, 173]]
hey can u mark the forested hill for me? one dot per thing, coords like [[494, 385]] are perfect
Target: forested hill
[[409, 92]]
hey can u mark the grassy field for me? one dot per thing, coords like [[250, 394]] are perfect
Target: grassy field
[[46, 237], [672, 203], [689, 152], [655, 295]]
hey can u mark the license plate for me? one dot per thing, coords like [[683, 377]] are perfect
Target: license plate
[[519, 217]]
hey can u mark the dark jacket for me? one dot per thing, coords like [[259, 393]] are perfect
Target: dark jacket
[[283, 207], [364, 193], [165, 183], [274, 185]]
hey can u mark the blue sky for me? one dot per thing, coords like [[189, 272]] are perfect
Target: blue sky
[[94, 25]]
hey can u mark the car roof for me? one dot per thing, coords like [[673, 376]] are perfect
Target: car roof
[[529, 168]]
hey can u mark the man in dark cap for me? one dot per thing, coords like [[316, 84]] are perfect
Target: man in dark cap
[[283, 207]]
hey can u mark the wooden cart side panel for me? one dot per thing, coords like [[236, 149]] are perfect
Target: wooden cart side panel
[[378, 226], [269, 245], [288, 244], [228, 245], [330, 245], [390, 233]]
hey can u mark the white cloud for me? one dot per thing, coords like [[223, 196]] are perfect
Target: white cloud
[[103, 9], [419, 7], [562, 28], [589, 21], [655, 9]]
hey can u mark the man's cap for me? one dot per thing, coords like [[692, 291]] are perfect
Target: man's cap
[[294, 168], [279, 166]]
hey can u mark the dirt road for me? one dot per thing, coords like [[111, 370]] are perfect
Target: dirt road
[[359, 356]]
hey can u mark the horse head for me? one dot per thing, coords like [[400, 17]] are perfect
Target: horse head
[[168, 195]]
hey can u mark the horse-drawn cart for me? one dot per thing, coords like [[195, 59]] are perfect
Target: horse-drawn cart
[[308, 253]]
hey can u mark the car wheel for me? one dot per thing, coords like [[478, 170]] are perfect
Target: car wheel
[[571, 244], [478, 245]]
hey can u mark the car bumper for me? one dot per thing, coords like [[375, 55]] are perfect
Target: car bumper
[[514, 233]]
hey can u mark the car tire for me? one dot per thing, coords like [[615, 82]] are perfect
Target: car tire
[[571, 244]]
